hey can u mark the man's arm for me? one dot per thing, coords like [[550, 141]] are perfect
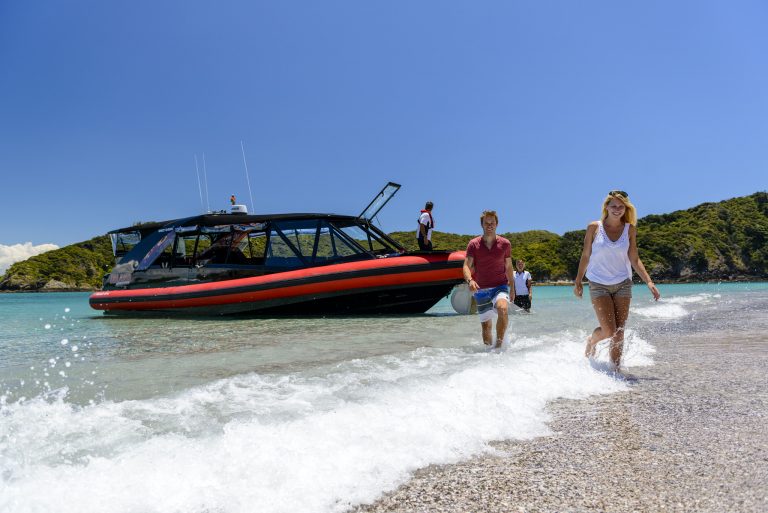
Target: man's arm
[[469, 265], [529, 284], [510, 276]]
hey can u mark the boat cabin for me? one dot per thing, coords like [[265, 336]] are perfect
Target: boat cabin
[[222, 246]]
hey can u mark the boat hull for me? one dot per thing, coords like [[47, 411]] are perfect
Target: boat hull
[[404, 284]]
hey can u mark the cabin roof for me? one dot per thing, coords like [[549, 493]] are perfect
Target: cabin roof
[[225, 218]]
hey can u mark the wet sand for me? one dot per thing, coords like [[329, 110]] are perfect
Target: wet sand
[[691, 434]]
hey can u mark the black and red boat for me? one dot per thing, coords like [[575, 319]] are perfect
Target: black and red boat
[[283, 264]]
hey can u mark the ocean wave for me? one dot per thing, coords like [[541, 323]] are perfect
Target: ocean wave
[[319, 440], [671, 308]]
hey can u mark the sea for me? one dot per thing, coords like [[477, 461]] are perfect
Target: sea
[[109, 414]]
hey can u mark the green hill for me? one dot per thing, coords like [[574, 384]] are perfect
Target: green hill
[[712, 241], [78, 266]]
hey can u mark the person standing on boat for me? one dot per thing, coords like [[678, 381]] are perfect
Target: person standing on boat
[[523, 287], [488, 272], [426, 224], [607, 259]]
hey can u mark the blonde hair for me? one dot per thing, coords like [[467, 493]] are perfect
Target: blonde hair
[[488, 213], [630, 212]]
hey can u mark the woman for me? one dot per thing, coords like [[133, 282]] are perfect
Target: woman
[[609, 254]]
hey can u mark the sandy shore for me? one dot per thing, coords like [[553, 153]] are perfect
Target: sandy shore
[[691, 434]]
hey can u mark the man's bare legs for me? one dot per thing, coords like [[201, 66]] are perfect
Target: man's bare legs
[[502, 305], [502, 320], [487, 332]]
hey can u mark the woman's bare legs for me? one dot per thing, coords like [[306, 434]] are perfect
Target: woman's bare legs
[[606, 316], [612, 313], [621, 312]]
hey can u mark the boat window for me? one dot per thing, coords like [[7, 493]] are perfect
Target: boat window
[[237, 247], [368, 240], [123, 242], [203, 244], [309, 242], [254, 246], [377, 243], [184, 249], [331, 245], [285, 247], [213, 248], [301, 235]]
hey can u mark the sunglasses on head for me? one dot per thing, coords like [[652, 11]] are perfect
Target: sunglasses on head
[[619, 193]]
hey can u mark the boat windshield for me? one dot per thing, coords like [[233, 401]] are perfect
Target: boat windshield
[[379, 201], [317, 241]]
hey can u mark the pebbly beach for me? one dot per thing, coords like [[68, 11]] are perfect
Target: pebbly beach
[[689, 435]]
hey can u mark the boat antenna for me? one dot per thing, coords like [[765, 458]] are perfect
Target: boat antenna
[[205, 177], [247, 178], [199, 187]]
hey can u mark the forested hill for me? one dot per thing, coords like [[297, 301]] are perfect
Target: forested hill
[[713, 241]]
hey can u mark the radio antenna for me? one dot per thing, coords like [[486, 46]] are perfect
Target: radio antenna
[[205, 177], [247, 178], [199, 187]]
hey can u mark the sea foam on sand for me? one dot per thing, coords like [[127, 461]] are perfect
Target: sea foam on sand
[[320, 440]]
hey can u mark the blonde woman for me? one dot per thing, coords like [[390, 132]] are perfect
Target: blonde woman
[[608, 257]]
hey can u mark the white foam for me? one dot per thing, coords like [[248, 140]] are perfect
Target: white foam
[[696, 298], [315, 442], [670, 308], [637, 352]]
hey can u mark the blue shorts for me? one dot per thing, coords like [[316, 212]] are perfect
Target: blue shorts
[[486, 301]]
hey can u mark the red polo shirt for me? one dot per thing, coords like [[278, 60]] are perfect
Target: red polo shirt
[[490, 264]]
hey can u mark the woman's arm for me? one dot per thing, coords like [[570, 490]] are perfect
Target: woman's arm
[[637, 264], [586, 252]]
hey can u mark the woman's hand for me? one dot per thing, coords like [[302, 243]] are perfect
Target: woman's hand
[[654, 290], [578, 289]]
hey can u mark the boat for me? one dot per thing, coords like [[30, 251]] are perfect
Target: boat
[[230, 263]]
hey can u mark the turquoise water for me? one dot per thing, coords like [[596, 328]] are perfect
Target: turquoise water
[[111, 414]]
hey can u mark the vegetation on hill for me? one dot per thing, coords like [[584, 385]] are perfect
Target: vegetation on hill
[[79, 266], [725, 240]]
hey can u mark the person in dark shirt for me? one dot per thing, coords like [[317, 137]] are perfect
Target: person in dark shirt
[[425, 225]]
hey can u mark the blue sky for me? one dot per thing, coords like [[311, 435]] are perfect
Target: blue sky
[[535, 109]]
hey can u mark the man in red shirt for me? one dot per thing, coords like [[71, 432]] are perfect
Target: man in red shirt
[[489, 273]]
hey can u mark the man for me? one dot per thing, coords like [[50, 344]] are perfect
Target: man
[[523, 287], [488, 272], [426, 224]]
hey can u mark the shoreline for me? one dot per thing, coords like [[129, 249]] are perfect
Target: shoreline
[[688, 435], [537, 284]]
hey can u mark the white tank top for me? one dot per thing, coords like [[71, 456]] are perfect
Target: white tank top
[[609, 263]]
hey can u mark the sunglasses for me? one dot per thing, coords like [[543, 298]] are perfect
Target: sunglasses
[[619, 193]]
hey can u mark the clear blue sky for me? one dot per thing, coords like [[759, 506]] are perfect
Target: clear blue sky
[[535, 109]]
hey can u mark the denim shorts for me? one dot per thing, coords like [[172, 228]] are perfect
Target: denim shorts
[[486, 301], [623, 289]]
